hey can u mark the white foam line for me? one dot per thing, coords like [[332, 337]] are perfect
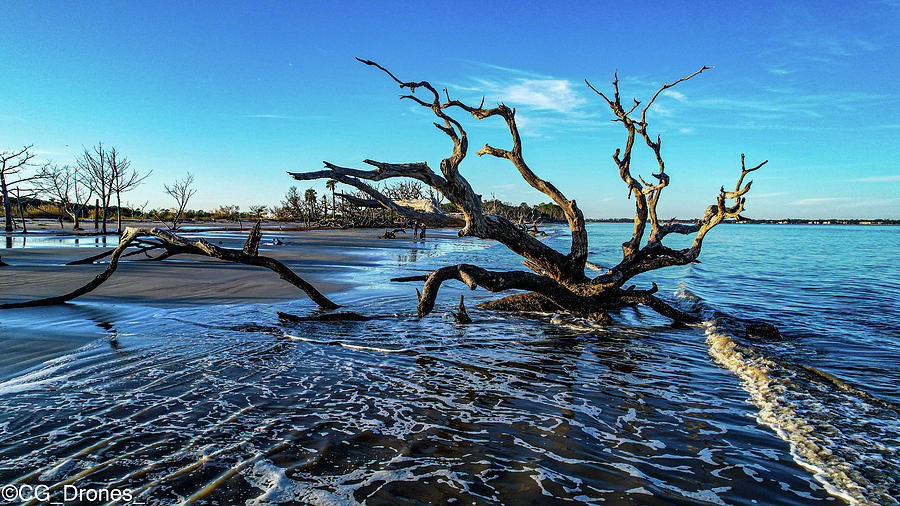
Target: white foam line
[[371, 348], [348, 346], [304, 339], [767, 393]]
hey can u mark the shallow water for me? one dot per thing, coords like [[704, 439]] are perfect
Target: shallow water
[[224, 404]]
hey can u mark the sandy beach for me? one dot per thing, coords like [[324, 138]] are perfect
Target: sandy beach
[[323, 257], [334, 261]]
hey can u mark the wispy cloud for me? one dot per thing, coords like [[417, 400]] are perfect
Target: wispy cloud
[[546, 104], [816, 201], [765, 195], [660, 110], [552, 94], [559, 95], [677, 95], [879, 179], [800, 40], [785, 106], [639, 81], [781, 72]]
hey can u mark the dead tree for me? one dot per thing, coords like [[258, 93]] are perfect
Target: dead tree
[[67, 186], [181, 190], [13, 166], [123, 178], [557, 281], [30, 193], [94, 163]]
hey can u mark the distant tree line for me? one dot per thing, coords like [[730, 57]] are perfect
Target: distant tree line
[[100, 172], [92, 187]]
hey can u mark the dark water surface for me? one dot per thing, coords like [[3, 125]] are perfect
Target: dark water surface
[[225, 405]]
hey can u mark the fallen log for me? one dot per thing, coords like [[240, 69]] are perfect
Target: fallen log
[[175, 243], [342, 316]]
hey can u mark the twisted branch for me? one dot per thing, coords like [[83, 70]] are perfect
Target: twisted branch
[[474, 276], [198, 247]]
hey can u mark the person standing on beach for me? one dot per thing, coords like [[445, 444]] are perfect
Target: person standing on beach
[[415, 230], [422, 233]]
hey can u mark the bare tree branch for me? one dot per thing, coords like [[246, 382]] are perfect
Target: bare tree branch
[[557, 280]]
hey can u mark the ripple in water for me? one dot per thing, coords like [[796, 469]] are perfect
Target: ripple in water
[[227, 405], [504, 410], [846, 437]]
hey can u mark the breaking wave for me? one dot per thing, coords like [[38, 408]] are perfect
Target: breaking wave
[[845, 437]]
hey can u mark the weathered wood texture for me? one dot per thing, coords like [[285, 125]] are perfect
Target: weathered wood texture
[[558, 278]]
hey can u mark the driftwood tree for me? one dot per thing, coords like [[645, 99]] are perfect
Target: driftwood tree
[[558, 280], [154, 239]]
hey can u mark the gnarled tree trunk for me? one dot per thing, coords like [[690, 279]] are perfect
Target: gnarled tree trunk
[[558, 280]]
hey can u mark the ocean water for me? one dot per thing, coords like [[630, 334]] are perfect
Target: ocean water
[[226, 405]]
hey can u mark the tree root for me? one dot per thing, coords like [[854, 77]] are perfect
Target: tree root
[[544, 294], [530, 302], [474, 276], [461, 315], [342, 316], [661, 307], [177, 244]]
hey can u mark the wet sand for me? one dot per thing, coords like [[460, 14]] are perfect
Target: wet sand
[[334, 261]]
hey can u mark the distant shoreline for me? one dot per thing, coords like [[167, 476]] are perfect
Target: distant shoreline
[[782, 221], [43, 225]]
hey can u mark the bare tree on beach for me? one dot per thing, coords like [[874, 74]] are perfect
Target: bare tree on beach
[[123, 178], [94, 163], [181, 190], [21, 194], [67, 186], [14, 172], [557, 280]]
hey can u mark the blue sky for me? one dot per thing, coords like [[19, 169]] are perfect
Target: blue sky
[[240, 93]]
